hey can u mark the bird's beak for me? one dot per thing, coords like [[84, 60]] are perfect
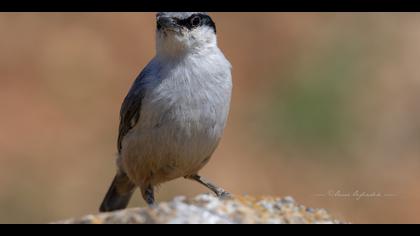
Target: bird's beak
[[166, 23]]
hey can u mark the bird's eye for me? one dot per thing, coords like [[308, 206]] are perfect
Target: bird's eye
[[195, 21]]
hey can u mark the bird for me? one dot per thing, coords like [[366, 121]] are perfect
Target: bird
[[175, 113]]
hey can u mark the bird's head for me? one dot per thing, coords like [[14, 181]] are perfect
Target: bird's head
[[178, 33]]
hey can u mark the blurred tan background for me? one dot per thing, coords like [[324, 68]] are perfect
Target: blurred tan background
[[322, 103]]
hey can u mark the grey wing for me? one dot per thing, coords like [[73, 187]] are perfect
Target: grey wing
[[131, 107]]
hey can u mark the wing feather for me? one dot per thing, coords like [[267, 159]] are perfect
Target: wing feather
[[131, 107]]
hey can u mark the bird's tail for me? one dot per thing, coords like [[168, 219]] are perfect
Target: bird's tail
[[119, 193]]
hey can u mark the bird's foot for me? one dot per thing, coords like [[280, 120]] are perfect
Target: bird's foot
[[223, 195]]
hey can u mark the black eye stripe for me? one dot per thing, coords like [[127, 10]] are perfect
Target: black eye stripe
[[205, 20]]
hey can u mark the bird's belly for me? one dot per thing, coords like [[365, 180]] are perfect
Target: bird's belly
[[178, 142]]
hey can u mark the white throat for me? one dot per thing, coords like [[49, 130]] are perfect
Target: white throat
[[170, 44]]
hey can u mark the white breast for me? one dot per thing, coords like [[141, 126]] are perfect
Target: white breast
[[182, 118]]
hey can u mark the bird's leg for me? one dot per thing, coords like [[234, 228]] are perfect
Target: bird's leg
[[220, 192], [149, 195]]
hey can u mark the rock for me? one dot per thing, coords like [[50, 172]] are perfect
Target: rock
[[208, 209]]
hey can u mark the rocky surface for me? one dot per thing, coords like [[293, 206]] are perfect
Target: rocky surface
[[208, 209]]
